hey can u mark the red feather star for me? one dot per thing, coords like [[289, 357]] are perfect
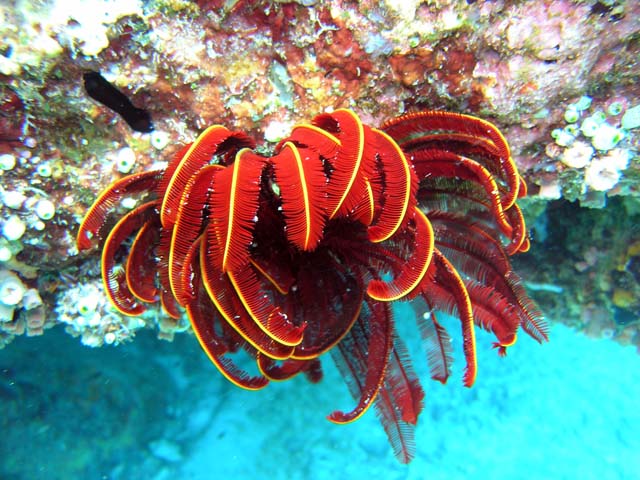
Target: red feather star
[[301, 253]]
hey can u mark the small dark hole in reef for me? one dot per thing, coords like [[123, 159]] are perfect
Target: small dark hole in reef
[[600, 9]]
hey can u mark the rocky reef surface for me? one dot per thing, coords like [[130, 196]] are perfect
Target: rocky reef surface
[[559, 78]]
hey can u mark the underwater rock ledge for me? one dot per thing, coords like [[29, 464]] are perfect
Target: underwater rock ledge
[[564, 93]]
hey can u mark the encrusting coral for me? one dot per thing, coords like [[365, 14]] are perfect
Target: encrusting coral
[[521, 64]]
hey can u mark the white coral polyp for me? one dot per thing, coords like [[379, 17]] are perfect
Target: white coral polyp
[[601, 176], [618, 158], [577, 155], [12, 289]]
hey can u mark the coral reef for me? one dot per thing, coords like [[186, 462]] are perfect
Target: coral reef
[[585, 271], [596, 146], [21, 308], [263, 67]]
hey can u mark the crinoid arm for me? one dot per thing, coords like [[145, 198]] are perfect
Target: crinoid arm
[[287, 257]]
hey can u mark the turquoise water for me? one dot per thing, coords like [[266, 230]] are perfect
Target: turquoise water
[[158, 410]]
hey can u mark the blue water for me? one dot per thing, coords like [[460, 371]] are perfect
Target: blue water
[[564, 410]]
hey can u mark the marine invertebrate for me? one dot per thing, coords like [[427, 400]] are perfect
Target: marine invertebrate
[[21, 308], [101, 90], [7, 161], [86, 312], [596, 142], [12, 289], [13, 228], [45, 209], [301, 253]]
